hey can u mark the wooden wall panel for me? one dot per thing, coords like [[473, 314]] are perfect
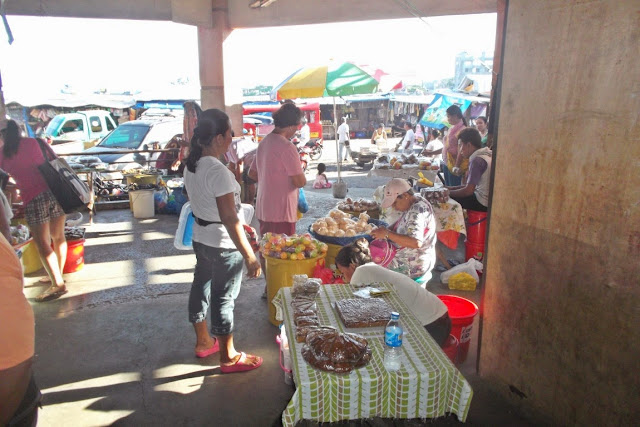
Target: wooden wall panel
[[563, 269]]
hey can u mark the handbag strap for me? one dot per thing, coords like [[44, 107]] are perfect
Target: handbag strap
[[46, 150], [394, 226]]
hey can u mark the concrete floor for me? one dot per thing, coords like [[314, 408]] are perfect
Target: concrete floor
[[118, 348]]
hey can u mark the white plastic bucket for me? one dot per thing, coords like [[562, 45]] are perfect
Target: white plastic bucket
[[142, 202]]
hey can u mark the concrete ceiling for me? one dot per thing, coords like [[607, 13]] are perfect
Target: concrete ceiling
[[241, 15]]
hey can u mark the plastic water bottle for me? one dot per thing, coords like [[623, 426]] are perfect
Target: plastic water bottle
[[393, 343]]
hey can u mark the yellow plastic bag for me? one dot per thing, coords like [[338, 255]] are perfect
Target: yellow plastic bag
[[462, 282]]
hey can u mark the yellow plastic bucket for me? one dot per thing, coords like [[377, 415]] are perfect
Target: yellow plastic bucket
[[30, 258], [280, 274], [331, 254]]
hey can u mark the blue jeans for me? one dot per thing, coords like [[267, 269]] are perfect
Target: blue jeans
[[216, 281], [449, 178]]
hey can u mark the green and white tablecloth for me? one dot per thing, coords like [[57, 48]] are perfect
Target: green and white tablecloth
[[427, 386]]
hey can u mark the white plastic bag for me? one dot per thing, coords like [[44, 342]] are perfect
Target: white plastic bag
[[469, 267]]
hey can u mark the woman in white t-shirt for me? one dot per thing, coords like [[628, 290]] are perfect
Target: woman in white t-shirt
[[219, 243], [434, 146], [354, 262]]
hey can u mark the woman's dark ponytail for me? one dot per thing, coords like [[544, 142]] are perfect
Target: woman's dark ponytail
[[211, 123], [11, 137]]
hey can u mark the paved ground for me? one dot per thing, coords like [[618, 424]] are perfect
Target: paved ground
[[118, 349]]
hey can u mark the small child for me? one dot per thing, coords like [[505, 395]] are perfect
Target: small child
[[321, 179]]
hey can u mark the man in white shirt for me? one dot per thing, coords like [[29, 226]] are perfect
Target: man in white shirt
[[305, 132], [343, 139], [409, 139]]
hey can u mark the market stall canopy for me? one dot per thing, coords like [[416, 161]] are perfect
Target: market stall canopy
[[67, 100], [169, 93], [435, 116], [339, 79], [413, 99]]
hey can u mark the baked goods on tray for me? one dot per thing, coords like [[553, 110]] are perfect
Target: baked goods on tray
[[304, 305], [307, 321], [302, 285], [329, 350], [305, 309], [302, 331], [363, 312]]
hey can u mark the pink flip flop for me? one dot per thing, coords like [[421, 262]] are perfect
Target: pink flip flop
[[241, 365], [209, 351]]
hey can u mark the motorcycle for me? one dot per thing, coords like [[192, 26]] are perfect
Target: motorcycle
[[303, 152], [315, 148]]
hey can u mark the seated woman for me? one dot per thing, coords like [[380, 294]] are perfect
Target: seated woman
[[474, 194], [379, 136], [413, 234], [354, 262]]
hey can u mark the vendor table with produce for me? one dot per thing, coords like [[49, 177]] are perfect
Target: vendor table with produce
[[406, 173], [396, 165], [427, 386]]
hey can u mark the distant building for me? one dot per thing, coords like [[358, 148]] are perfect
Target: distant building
[[469, 64]]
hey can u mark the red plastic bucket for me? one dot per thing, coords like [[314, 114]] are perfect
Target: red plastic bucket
[[476, 227], [473, 250], [75, 256], [451, 348], [462, 312]]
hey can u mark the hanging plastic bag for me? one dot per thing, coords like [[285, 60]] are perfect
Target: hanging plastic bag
[[303, 206], [471, 267], [184, 233]]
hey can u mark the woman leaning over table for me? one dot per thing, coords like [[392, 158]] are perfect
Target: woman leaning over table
[[20, 157], [354, 262], [219, 243], [413, 234]]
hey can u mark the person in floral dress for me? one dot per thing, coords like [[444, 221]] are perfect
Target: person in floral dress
[[413, 234]]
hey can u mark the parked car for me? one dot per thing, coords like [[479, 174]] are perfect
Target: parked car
[[146, 133], [68, 132]]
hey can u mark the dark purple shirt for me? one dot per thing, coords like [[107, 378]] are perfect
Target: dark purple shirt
[[476, 168]]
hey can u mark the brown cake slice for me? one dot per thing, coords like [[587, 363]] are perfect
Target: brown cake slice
[[363, 312]]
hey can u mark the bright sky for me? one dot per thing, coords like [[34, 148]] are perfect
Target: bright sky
[[89, 54]]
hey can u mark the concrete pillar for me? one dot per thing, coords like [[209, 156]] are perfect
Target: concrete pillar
[[211, 55]]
